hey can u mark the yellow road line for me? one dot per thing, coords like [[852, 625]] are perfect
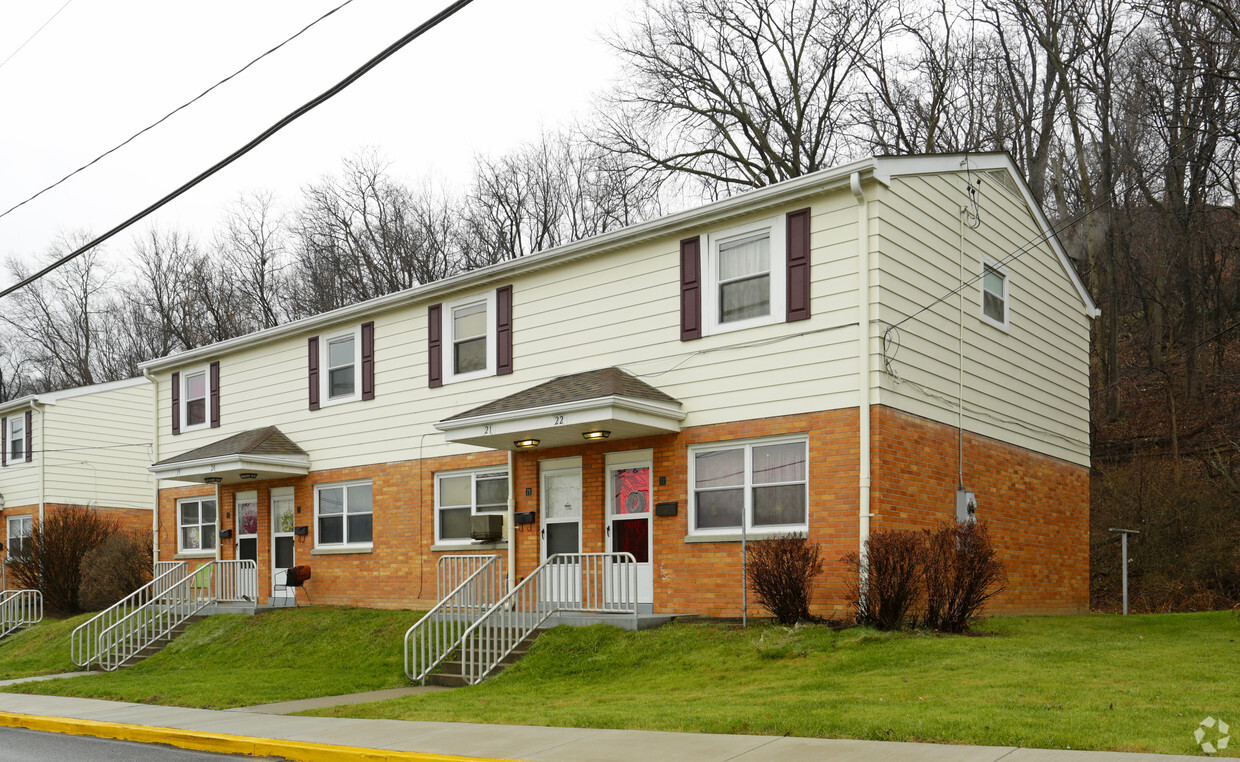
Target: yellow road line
[[221, 742]]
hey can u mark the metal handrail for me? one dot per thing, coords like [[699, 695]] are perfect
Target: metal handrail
[[20, 608], [437, 634], [87, 634], [235, 580], [603, 583]]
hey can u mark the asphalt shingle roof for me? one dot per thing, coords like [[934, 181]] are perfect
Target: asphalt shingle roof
[[592, 384], [265, 441]]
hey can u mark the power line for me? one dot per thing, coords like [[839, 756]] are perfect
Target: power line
[[172, 113], [305, 108], [36, 34]]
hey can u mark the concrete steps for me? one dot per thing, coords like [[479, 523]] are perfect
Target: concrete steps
[[448, 674], [153, 648]]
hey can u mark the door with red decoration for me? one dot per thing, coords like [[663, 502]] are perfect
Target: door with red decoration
[[629, 511]]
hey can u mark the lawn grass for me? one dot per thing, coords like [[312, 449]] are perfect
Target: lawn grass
[[1141, 683], [232, 660], [39, 650]]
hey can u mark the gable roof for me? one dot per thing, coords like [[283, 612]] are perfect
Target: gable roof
[[265, 441], [577, 387]]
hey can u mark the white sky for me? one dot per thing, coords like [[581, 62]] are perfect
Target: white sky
[[483, 81]]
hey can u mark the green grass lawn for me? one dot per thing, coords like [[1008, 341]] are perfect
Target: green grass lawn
[[233, 660], [1090, 682], [39, 650]]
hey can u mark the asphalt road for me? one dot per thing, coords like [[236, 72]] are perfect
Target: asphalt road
[[20, 745]]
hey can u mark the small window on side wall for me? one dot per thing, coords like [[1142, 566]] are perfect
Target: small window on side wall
[[994, 295]]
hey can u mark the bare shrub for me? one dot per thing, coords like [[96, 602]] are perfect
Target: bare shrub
[[781, 573], [58, 544], [960, 572], [119, 565], [891, 571]]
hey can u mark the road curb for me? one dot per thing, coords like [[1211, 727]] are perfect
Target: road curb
[[223, 743]]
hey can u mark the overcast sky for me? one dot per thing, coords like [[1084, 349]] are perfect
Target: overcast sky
[[488, 78]]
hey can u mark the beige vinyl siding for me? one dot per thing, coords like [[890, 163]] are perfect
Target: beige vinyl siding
[[1028, 386], [99, 448], [19, 482], [617, 308]]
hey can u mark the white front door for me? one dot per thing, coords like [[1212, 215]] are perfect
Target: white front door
[[283, 519], [628, 496], [560, 488], [246, 505]]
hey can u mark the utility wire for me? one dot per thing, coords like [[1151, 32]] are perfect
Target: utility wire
[[36, 34], [170, 114], [305, 108]]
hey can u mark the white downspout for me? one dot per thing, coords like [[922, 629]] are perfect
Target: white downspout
[[863, 364], [42, 456], [510, 519], [154, 451]]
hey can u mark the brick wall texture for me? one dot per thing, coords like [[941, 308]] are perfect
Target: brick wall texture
[[1037, 508], [127, 519]]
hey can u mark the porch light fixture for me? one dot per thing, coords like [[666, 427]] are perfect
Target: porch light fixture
[[249, 475], [213, 479], [590, 436], [525, 444]]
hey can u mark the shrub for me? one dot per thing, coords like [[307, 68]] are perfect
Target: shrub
[[119, 565], [781, 573], [892, 571], [53, 564], [960, 572]]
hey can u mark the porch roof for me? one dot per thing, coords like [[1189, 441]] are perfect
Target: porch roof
[[561, 411], [257, 454]]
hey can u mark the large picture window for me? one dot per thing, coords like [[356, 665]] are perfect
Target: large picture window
[[462, 494], [762, 484], [746, 275], [19, 530], [196, 524], [345, 514]]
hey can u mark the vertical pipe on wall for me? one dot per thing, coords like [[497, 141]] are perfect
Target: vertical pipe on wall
[[42, 456], [509, 518], [863, 366], [154, 453]]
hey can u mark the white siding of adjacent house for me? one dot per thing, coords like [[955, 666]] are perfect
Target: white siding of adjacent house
[[19, 482], [1028, 386], [99, 448], [617, 308]]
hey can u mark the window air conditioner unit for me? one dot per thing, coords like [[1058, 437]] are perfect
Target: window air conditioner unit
[[486, 528]]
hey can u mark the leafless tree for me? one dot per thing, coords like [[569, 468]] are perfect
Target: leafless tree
[[253, 252]]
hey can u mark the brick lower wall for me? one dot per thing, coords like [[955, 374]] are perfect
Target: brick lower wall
[[1037, 506], [127, 519]]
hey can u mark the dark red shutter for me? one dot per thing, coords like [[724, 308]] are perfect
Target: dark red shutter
[[4, 441], [434, 346], [314, 372], [176, 403], [29, 435], [798, 265], [215, 394], [368, 360], [690, 289], [503, 330]]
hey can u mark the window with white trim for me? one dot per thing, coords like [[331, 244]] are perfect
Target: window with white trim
[[994, 295], [16, 438], [195, 395], [341, 361], [469, 338], [462, 494], [746, 272], [763, 483], [196, 518], [19, 530], [344, 515]]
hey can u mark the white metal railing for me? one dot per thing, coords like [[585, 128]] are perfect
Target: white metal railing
[[235, 580], [19, 608], [474, 584], [603, 583]]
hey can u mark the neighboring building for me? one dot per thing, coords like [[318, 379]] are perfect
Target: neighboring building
[[89, 446], [658, 388]]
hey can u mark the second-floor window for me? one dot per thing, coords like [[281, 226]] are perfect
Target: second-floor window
[[469, 338], [195, 398], [994, 295], [341, 363], [746, 271], [16, 439]]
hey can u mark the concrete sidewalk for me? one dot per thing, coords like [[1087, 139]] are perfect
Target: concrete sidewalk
[[515, 742]]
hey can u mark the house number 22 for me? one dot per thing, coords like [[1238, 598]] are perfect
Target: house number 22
[[559, 420]]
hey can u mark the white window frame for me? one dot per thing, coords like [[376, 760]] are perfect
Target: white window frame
[[777, 227], [19, 419], [990, 264], [765, 530], [473, 499], [215, 525], [344, 487], [206, 402], [11, 533], [325, 370], [448, 332]]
